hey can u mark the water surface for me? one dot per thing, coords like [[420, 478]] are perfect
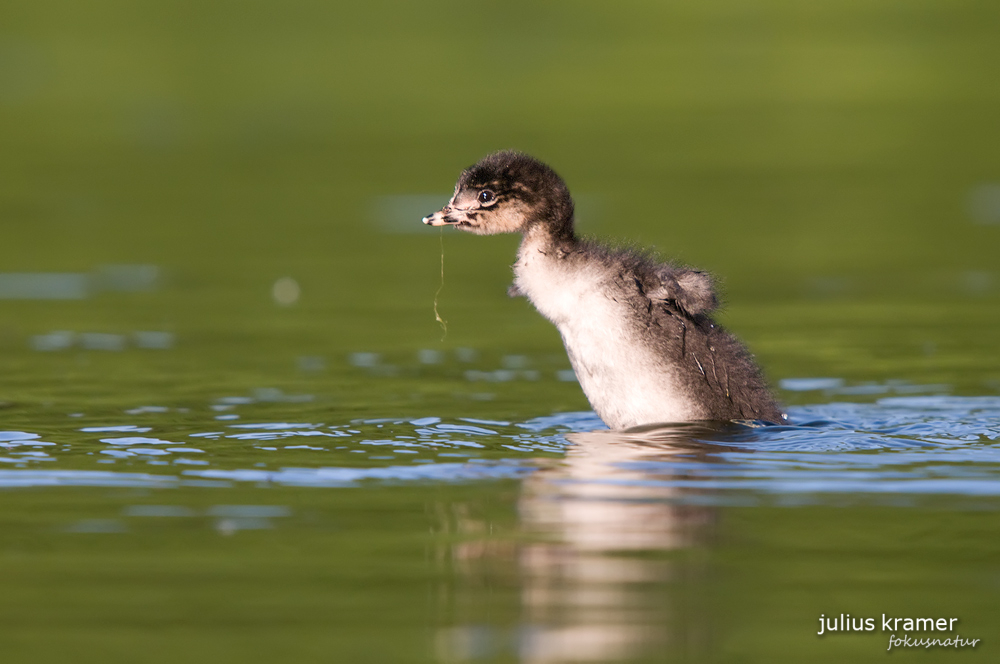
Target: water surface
[[233, 431]]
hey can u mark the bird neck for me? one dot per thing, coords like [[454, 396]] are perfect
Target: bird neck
[[548, 239], [553, 222]]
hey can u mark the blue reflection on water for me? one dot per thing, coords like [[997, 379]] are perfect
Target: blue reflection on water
[[333, 477], [900, 445]]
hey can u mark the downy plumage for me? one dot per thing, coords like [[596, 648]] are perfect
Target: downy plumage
[[638, 333]]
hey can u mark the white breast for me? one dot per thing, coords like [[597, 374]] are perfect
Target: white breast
[[620, 374]]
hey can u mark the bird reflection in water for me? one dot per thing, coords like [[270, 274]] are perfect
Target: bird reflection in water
[[591, 555]]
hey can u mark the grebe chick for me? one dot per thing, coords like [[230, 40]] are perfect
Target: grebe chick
[[638, 333]]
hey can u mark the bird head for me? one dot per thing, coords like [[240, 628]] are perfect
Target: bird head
[[507, 192]]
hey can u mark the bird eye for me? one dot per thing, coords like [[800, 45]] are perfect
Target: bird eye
[[486, 196]]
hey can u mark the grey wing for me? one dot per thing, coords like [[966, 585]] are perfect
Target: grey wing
[[692, 290]]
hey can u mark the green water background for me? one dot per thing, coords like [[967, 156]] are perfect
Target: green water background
[[819, 158]]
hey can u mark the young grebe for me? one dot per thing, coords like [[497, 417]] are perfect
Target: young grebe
[[637, 333]]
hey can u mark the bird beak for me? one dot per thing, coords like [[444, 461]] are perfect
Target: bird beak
[[441, 218]]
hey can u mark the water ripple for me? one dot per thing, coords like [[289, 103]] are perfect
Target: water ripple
[[336, 477], [903, 445], [898, 445]]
